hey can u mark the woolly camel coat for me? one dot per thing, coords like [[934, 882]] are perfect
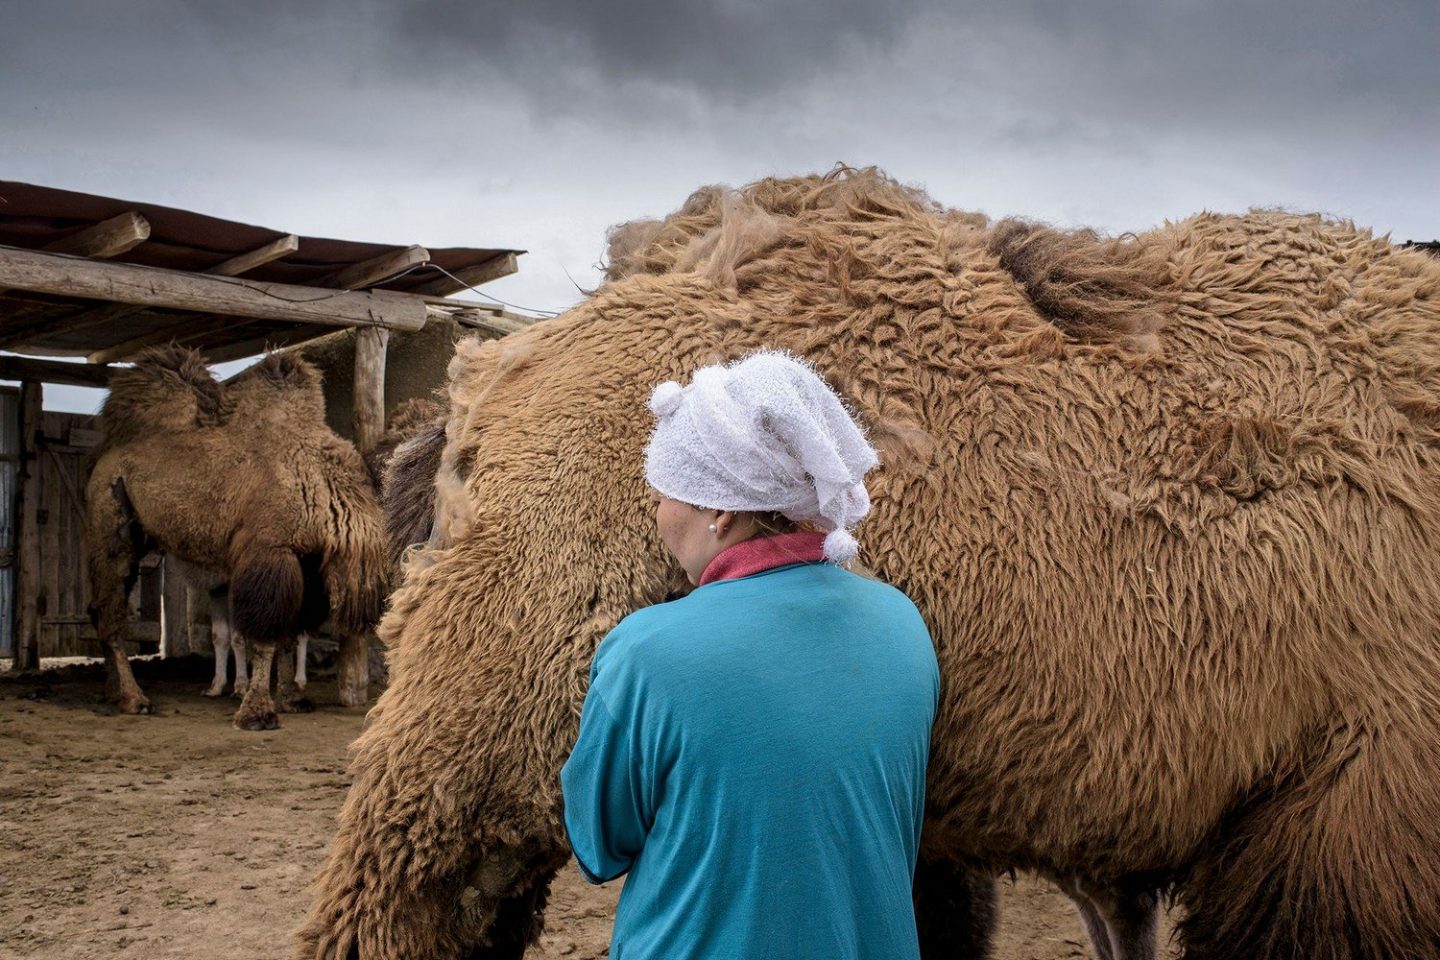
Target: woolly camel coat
[[244, 481], [1169, 505]]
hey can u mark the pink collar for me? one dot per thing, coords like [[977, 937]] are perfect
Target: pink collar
[[761, 553]]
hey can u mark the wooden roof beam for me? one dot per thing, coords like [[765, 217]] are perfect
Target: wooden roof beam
[[176, 290], [498, 322], [100, 316], [363, 274], [106, 239], [368, 273], [245, 262], [53, 371], [501, 265]]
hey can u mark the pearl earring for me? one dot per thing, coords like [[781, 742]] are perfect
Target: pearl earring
[[712, 528]]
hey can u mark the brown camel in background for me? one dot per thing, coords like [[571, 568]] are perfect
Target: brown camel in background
[[415, 417], [243, 482], [1169, 503]]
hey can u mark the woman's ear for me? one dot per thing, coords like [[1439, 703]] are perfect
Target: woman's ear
[[723, 520]]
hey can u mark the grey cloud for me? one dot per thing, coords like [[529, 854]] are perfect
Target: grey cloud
[[656, 63], [736, 49]]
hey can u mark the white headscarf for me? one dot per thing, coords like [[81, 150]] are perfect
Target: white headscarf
[[763, 433]]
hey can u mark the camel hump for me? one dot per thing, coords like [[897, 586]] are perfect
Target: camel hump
[[285, 371], [414, 415], [168, 388], [1094, 289], [718, 232]]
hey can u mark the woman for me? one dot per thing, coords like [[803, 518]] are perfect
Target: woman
[[753, 754]]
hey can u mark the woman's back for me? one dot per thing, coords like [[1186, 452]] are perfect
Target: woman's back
[[754, 753]]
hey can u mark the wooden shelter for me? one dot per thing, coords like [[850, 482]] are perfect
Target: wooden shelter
[[99, 280]]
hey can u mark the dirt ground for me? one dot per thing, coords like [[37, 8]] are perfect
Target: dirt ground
[[178, 836]]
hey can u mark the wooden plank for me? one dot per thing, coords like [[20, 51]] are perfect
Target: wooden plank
[[60, 481], [177, 290], [501, 265], [53, 371], [174, 613], [367, 273], [71, 522], [27, 573], [102, 316], [106, 239], [53, 507], [53, 639]]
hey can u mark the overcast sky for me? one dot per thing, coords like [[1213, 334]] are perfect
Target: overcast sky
[[536, 124]]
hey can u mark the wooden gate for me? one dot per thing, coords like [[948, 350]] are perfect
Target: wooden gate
[[63, 452]]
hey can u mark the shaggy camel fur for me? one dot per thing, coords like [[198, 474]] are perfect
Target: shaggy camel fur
[[244, 482], [1169, 503], [407, 487], [407, 420]]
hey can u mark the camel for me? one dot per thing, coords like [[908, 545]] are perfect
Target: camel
[[244, 483], [412, 417], [1168, 502]]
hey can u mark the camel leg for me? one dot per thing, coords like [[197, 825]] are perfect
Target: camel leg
[[116, 540], [955, 911], [120, 684], [300, 649], [287, 696], [518, 923], [1120, 919], [219, 639], [242, 664], [1133, 921], [257, 710], [1095, 927]]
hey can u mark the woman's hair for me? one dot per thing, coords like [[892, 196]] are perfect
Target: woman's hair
[[772, 523]]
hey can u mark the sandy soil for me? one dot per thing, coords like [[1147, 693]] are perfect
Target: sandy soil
[[178, 836]]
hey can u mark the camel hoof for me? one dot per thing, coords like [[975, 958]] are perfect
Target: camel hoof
[[298, 705], [213, 691], [260, 721], [239, 691], [139, 707]]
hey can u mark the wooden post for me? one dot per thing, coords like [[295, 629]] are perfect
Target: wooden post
[[370, 345], [174, 612], [27, 578]]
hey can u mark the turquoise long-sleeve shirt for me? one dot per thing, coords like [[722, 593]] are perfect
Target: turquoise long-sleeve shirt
[[753, 755]]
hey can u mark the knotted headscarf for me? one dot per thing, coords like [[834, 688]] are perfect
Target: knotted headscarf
[[763, 433]]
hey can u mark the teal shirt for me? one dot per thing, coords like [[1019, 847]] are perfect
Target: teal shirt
[[753, 754]]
